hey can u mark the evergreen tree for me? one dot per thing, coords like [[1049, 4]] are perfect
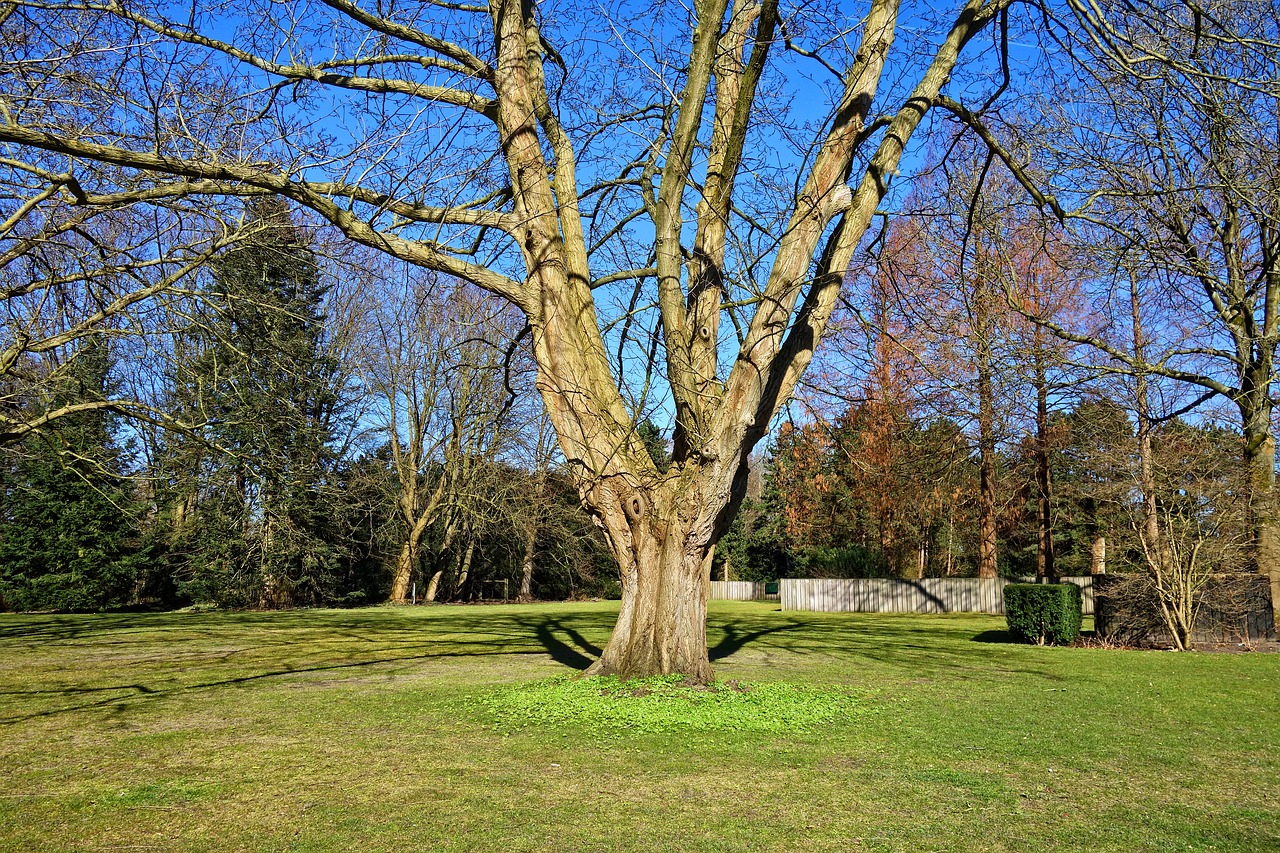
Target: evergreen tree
[[249, 499], [69, 534]]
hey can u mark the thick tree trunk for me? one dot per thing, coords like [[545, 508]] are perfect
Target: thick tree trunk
[[404, 571], [662, 550], [416, 520]]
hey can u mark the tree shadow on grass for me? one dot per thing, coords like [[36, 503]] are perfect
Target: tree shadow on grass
[[734, 639], [560, 651], [583, 653], [994, 637], [150, 652]]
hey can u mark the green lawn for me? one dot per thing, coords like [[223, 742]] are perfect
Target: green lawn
[[373, 730]]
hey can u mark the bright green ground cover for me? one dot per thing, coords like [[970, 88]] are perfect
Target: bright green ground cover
[[393, 729]]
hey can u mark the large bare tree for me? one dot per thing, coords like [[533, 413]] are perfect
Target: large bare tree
[[530, 150]]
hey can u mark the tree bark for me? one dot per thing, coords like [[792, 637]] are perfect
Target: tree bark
[[1146, 464], [527, 567], [987, 567], [1260, 464], [1098, 554], [661, 545], [405, 562], [1045, 569], [433, 586], [464, 566], [411, 548]]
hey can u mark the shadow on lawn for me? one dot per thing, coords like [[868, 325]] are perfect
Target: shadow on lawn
[[583, 653], [994, 637]]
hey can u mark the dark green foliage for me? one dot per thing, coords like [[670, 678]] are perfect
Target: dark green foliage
[[1044, 614], [252, 498], [851, 561], [755, 546], [655, 444], [69, 534]]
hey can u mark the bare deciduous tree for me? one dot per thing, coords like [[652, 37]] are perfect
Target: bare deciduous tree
[[1161, 151]]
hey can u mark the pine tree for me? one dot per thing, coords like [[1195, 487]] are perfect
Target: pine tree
[[69, 532], [249, 498]]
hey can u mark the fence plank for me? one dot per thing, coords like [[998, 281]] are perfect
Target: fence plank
[[740, 591]]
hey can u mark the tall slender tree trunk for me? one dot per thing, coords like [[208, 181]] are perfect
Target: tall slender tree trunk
[[987, 567], [1098, 555], [1045, 569], [433, 586], [1097, 538], [527, 566], [1260, 465], [464, 567], [1146, 466]]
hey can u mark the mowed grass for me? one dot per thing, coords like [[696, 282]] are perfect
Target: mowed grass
[[375, 730]]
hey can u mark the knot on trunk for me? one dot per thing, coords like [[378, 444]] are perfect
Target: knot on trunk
[[633, 506]]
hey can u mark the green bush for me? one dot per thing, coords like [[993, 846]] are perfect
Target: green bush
[[851, 561], [1043, 613]]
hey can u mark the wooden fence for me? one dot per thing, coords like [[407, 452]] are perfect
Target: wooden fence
[[927, 595], [741, 591]]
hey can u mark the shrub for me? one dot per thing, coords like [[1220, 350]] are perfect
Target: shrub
[[1229, 608], [851, 561], [1043, 613]]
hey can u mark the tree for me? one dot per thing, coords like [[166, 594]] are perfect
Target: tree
[[1200, 525], [948, 267], [495, 97], [70, 537], [435, 355], [1092, 451], [256, 379]]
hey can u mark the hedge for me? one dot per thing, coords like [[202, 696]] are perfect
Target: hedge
[[1043, 613]]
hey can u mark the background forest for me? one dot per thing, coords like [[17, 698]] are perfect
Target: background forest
[[359, 432]]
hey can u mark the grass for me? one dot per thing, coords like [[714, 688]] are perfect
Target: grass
[[445, 729]]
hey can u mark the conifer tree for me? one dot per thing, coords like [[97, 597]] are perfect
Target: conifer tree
[[69, 534], [250, 497]]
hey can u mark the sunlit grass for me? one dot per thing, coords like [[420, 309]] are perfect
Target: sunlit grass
[[455, 728]]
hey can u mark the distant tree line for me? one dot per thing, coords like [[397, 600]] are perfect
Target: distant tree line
[[339, 447]]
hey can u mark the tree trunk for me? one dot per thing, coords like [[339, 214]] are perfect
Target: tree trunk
[[433, 586], [986, 458], [1098, 555], [662, 550], [1260, 463], [404, 571], [1146, 465], [464, 568], [1045, 569], [526, 568]]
